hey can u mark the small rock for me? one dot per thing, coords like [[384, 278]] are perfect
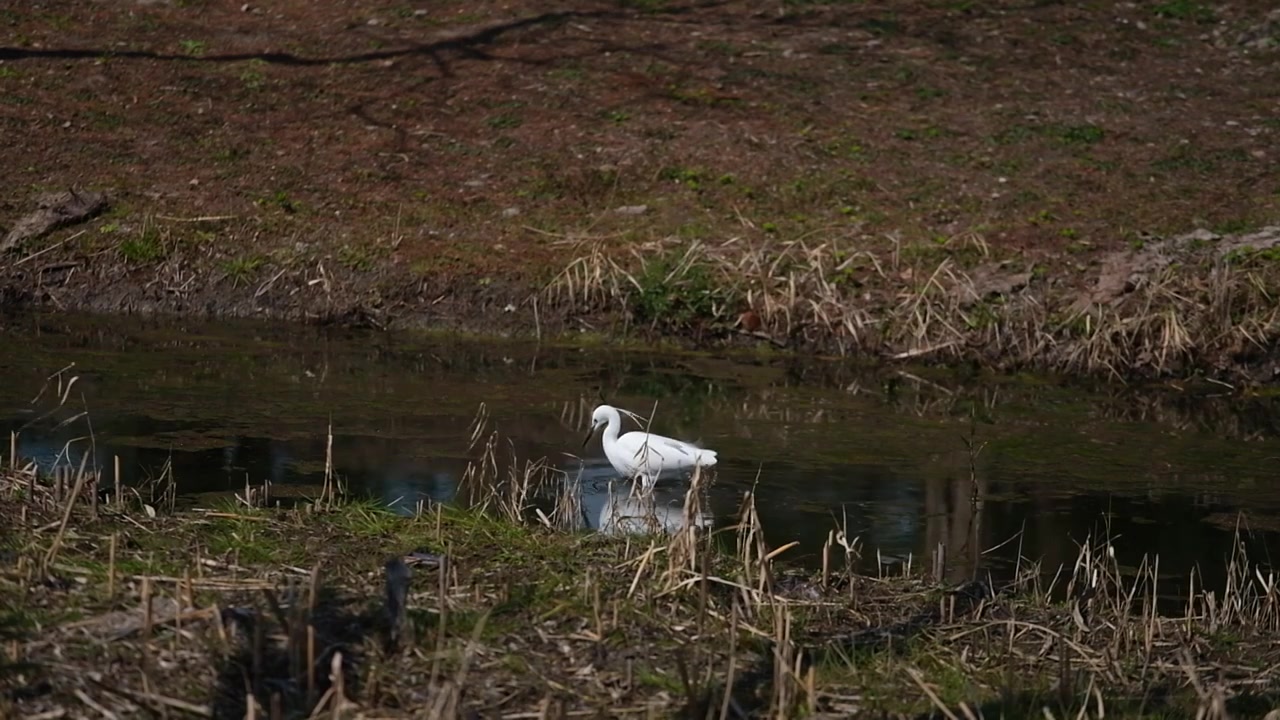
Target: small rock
[[632, 209], [1201, 235], [1262, 239], [54, 210], [991, 280], [511, 212]]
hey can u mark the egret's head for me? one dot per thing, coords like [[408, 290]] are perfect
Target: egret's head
[[599, 417]]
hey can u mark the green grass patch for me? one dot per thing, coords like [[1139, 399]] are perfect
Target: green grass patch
[[674, 291], [1184, 10], [145, 247]]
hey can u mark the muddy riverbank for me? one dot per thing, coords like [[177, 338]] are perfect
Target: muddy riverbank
[[1076, 189], [1195, 305]]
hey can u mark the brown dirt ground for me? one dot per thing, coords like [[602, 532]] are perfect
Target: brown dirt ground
[[397, 163]]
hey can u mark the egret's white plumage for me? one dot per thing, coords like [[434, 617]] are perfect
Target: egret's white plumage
[[642, 454]]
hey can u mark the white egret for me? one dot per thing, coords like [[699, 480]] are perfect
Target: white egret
[[642, 454]]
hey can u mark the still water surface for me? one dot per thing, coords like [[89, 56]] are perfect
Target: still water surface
[[819, 442]]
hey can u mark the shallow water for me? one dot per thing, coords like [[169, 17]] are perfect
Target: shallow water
[[820, 443]]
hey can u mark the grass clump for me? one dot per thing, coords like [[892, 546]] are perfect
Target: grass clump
[[676, 291], [242, 269], [145, 247]]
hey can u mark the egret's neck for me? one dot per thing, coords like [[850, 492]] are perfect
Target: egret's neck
[[612, 426]]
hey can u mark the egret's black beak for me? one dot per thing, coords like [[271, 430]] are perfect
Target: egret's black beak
[[590, 431]]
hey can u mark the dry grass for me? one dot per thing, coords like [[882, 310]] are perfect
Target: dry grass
[[337, 608], [1170, 309]]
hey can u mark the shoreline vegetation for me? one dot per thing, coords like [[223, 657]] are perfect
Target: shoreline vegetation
[[1194, 304], [116, 601], [1200, 305]]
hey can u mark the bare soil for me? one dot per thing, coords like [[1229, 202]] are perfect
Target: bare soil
[[400, 164]]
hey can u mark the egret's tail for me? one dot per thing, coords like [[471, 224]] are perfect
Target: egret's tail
[[707, 458]]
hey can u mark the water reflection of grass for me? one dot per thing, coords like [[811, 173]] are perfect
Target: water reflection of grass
[[340, 607], [220, 383]]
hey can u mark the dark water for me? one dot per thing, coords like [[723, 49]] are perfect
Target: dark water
[[821, 443]]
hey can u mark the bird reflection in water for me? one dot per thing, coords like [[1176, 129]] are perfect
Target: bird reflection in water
[[613, 506]]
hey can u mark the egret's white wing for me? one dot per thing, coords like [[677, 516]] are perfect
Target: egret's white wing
[[655, 443], [684, 448], [668, 452]]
